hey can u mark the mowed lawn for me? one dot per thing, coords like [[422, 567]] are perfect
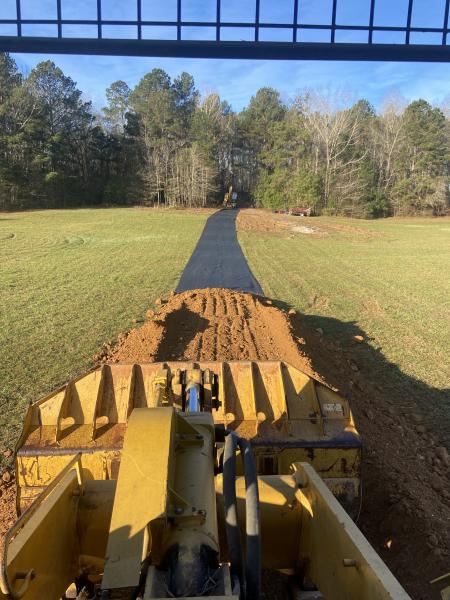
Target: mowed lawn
[[388, 280], [70, 280]]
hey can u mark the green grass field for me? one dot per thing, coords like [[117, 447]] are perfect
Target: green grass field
[[70, 281], [387, 279]]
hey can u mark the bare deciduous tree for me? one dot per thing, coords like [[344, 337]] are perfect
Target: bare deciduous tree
[[335, 133]]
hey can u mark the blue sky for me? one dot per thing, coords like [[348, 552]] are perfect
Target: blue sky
[[237, 81]]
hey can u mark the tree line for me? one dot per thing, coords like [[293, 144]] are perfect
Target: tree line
[[163, 143]]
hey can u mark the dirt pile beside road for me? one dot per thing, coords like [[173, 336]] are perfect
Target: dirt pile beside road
[[264, 221], [406, 487]]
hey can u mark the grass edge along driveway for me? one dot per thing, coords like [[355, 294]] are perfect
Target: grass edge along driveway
[[71, 280]]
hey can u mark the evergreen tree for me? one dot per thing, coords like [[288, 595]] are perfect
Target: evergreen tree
[[423, 163], [118, 97]]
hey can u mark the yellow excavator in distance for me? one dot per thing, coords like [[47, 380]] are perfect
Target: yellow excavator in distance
[[230, 198]]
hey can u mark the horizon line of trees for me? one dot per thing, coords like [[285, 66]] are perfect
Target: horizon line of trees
[[162, 143]]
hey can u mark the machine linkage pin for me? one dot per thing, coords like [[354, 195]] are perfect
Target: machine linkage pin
[[349, 562]]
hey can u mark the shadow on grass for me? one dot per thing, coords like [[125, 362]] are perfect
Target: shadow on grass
[[402, 389]]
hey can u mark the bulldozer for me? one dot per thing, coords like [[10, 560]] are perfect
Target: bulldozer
[[187, 480], [230, 198]]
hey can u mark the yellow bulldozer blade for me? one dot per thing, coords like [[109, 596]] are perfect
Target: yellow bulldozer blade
[[287, 415]]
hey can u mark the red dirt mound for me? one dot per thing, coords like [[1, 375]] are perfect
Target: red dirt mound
[[216, 324]]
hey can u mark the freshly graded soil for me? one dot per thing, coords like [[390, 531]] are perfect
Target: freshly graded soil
[[262, 221], [406, 488], [212, 324]]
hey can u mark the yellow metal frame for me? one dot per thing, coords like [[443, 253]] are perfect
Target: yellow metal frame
[[333, 553], [104, 521], [167, 470], [288, 416], [40, 527], [141, 494]]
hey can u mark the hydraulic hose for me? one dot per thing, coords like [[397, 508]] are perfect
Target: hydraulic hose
[[250, 582], [230, 505], [252, 526]]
